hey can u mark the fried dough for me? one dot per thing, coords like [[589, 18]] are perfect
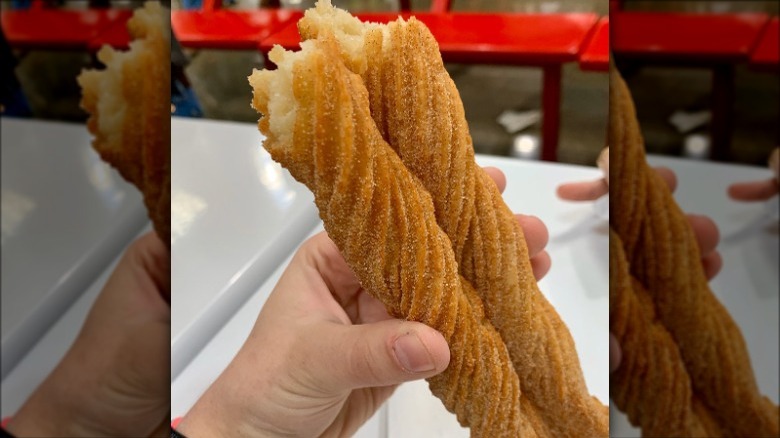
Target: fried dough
[[418, 111], [318, 125], [129, 107], [686, 369]]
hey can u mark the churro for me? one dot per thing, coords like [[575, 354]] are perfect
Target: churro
[[680, 345], [651, 385], [129, 103], [317, 123], [418, 111]]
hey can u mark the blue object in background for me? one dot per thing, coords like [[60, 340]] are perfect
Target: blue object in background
[[12, 98], [184, 101], [20, 4], [16, 106], [25, 4], [197, 4]]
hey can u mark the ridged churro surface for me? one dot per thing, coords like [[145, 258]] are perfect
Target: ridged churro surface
[[383, 221], [651, 385], [418, 110], [686, 369], [129, 103]]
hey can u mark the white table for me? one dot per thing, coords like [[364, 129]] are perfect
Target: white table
[[235, 215], [65, 215], [577, 284], [748, 283]]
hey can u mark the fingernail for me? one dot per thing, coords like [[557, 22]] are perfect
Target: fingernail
[[412, 354]]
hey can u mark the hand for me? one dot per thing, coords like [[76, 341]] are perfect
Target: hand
[[323, 354], [588, 190], [758, 190], [705, 230], [114, 380]]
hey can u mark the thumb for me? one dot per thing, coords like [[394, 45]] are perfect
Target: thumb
[[380, 354], [603, 163]]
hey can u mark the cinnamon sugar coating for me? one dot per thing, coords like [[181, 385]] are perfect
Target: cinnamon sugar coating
[[129, 103], [383, 221], [418, 110]]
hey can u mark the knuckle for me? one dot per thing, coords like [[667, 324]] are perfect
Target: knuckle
[[364, 362]]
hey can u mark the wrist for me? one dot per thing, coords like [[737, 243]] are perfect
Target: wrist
[[215, 415], [41, 416], [55, 408], [205, 419]]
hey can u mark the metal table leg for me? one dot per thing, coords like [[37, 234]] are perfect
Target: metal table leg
[[551, 107], [722, 111]]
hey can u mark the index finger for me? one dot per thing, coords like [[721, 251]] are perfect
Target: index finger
[[583, 191], [323, 254], [668, 176], [753, 191], [497, 176]]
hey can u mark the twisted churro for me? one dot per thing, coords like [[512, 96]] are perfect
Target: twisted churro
[[418, 110], [686, 369], [317, 122], [129, 103], [651, 385]]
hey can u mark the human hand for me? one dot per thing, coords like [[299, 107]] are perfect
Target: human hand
[[588, 190], [324, 354], [758, 190], [115, 379]]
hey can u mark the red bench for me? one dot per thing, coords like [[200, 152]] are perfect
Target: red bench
[[116, 36], [217, 28], [766, 53], [595, 55], [713, 41], [538, 40], [229, 29], [63, 29], [686, 39]]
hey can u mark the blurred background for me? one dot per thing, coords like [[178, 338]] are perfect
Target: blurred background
[[676, 94], [671, 73], [212, 80], [487, 91], [45, 54]]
